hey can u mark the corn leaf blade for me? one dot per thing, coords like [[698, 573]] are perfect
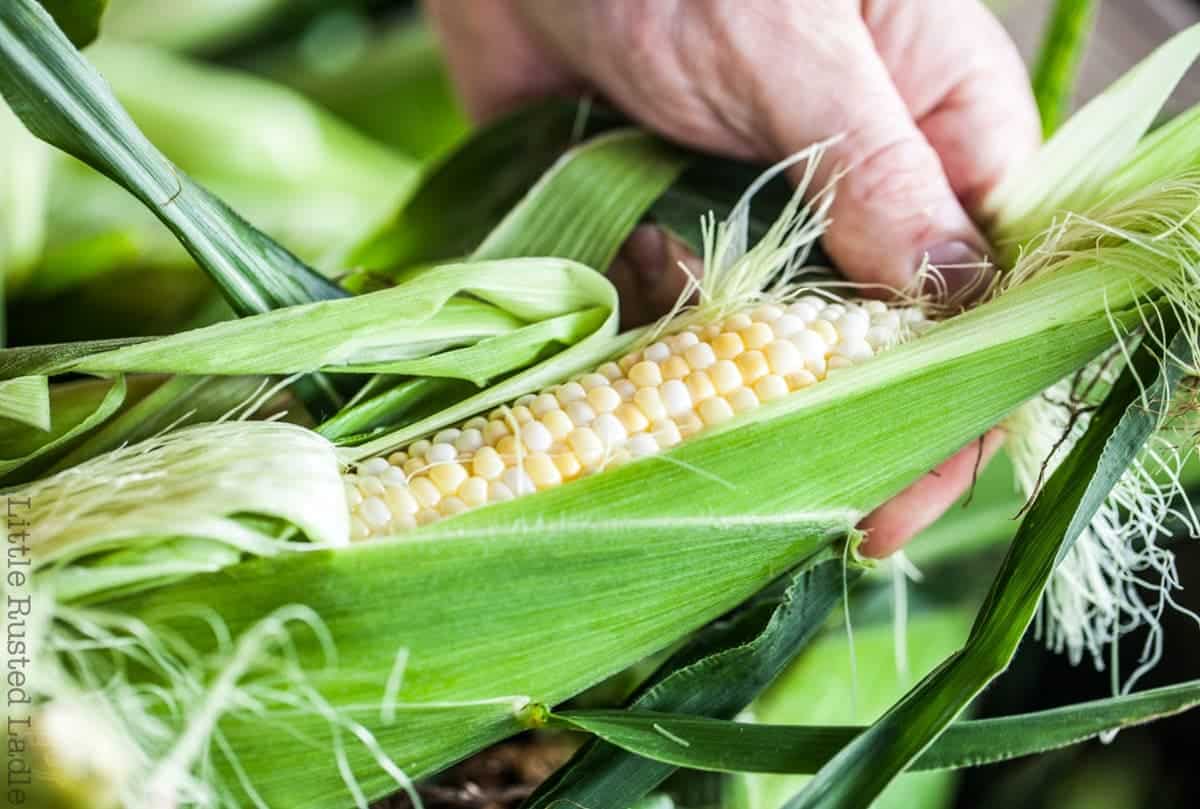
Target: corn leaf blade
[[497, 164], [862, 769], [726, 746], [602, 188], [26, 400]]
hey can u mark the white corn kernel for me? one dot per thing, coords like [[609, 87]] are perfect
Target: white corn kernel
[[536, 437], [757, 335], [370, 486], [426, 493], [666, 433], [558, 423], [784, 357], [542, 470], [603, 399], [494, 431], [642, 445], [609, 430], [451, 506], [649, 400], [374, 466], [610, 371], [375, 512], [572, 392], [401, 502], [518, 481], [675, 397], [646, 374], [728, 345], [625, 389], [543, 404], [581, 413], [715, 411], [474, 492], [743, 399], [498, 492], [787, 325], [448, 477], [655, 352], [447, 436], [470, 440], [487, 463], [675, 367], [725, 377], [700, 356], [441, 453], [771, 387], [586, 444]]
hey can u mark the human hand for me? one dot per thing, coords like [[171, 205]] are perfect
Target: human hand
[[931, 99]]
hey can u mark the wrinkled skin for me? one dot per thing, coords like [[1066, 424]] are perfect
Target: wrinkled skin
[[930, 97]]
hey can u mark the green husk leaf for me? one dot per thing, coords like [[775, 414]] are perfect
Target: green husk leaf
[[1062, 510], [614, 178], [1058, 60], [27, 400], [65, 102], [717, 674], [497, 165], [724, 746], [1069, 173], [520, 614], [457, 321], [78, 19], [582, 209], [21, 447]]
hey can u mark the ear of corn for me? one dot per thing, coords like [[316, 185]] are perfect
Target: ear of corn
[[646, 402]]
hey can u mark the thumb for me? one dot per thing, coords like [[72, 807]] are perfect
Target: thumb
[[893, 207]]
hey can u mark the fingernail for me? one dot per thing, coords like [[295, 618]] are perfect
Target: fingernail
[[963, 272]]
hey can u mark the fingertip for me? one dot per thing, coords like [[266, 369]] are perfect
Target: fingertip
[[889, 527], [893, 207]]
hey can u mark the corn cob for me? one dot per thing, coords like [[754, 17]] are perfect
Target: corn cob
[[644, 403]]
